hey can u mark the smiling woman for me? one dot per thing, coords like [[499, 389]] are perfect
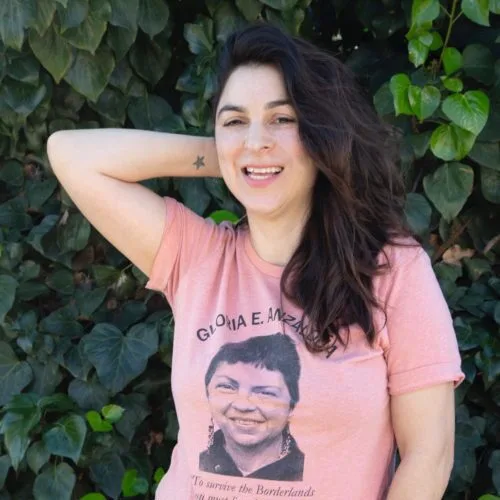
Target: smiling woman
[[252, 389], [370, 342]]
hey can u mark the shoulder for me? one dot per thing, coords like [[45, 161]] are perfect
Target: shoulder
[[401, 253]]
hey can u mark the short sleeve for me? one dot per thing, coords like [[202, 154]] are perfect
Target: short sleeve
[[419, 340], [186, 238]]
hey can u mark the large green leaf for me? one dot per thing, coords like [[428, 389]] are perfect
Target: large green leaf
[[89, 74], [16, 428], [251, 9], [399, 86], [63, 322], [5, 464], [150, 60], [452, 60], [88, 35], [449, 187], [194, 194], [53, 51], [120, 40], [24, 69], [469, 111], [89, 395], [13, 214], [490, 184], [15, 375], [450, 142], [14, 17], [120, 358], [76, 362], [418, 213], [424, 101], [153, 16], [153, 113], [38, 192], [46, 376], [8, 287], [136, 410], [495, 8], [45, 10], [200, 36], [22, 98], [418, 52], [37, 456], [124, 13], [424, 11], [478, 63], [477, 11], [73, 234], [107, 473], [486, 154], [74, 15], [280, 4], [56, 481], [66, 437]]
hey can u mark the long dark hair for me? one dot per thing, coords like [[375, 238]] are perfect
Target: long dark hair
[[358, 199]]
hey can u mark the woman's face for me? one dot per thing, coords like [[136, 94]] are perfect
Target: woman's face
[[250, 405], [261, 156]]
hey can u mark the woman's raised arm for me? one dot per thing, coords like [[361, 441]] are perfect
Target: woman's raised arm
[[100, 170]]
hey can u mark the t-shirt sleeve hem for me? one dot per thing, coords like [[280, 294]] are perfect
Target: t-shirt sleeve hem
[[425, 376], [164, 259]]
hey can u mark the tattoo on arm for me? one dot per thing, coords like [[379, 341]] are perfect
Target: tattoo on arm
[[200, 162]]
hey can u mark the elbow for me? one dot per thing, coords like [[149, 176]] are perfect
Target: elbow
[[57, 148]]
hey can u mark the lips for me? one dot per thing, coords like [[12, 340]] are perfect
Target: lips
[[246, 421], [262, 171]]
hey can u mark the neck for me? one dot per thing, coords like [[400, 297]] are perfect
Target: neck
[[251, 459], [275, 240]]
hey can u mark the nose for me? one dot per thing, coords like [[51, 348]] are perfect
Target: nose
[[243, 402], [258, 137]]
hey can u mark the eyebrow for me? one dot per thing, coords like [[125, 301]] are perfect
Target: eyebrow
[[241, 109], [260, 387]]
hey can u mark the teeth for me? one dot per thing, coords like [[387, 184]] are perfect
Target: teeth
[[269, 170]]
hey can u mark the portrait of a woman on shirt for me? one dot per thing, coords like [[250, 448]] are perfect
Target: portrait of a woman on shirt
[[252, 389]]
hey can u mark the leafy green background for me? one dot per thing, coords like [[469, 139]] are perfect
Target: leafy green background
[[78, 420]]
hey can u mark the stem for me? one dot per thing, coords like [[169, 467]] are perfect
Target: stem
[[444, 10], [448, 32]]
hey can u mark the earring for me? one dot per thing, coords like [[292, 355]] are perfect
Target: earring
[[211, 434], [286, 442]]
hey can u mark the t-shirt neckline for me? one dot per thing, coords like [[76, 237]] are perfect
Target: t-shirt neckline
[[264, 266]]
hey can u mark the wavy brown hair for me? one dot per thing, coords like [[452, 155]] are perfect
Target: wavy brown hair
[[358, 199]]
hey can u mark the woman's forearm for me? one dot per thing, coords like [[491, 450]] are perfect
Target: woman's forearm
[[420, 477], [134, 155]]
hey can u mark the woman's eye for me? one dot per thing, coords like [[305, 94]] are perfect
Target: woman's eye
[[284, 119], [266, 393], [225, 387], [230, 123]]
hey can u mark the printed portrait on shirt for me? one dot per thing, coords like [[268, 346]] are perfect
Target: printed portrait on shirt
[[252, 388]]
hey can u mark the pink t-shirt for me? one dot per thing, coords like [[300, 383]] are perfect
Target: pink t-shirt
[[260, 416]]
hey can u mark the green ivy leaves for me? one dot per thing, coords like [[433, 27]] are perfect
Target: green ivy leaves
[[468, 113], [477, 11], [120, 358], [469, 110], [449, 187]]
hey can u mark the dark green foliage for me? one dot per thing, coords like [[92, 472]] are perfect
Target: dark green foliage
[[78, 421]]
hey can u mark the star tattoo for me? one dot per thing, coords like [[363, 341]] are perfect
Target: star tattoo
[[200, 162]]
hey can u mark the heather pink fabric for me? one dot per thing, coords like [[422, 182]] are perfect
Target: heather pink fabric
[[221, 292]]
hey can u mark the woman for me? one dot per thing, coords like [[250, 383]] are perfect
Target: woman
[[252, 388], [323, 257]]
